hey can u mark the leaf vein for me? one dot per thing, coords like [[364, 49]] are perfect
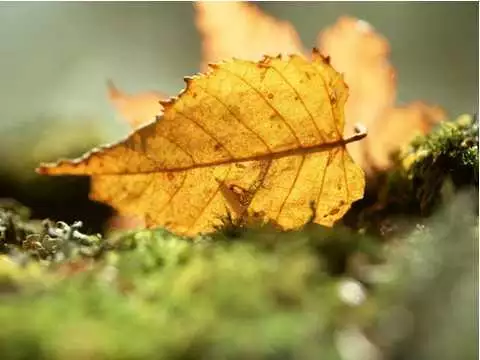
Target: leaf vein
[[209, 201], [297, 175], [331, 155], [325, 87], [170, 199], [236, 117], [259, 182], [213, 137], [300, 98], [260, 157], [178, 146], [263, 97], [345, 176]]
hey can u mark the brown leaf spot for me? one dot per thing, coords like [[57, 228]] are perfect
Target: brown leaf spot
[[333, 99], [334, 211], [274, 117]]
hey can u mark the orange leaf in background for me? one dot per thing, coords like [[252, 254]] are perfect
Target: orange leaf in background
[[401, 124], [237, 29], [362, 55], [136, 109], [260, 139], [242, 30]]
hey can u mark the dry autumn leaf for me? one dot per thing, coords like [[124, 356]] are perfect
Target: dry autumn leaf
[[259, 139], [241, 29]]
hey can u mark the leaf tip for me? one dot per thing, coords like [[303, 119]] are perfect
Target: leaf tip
[[42, 169]]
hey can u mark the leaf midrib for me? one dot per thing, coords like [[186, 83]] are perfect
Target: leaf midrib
[[267, 156]]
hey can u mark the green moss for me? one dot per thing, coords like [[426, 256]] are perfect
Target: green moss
[[425, 176], [448, 154], [159, 296], [253, 292]]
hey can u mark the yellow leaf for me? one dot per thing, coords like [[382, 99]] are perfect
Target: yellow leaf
[[241, 29], [260, 139], [137, 109]]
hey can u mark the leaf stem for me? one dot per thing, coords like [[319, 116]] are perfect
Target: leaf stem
[[360, 133]]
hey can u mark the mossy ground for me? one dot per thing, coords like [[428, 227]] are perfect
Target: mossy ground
[[395, 279]]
